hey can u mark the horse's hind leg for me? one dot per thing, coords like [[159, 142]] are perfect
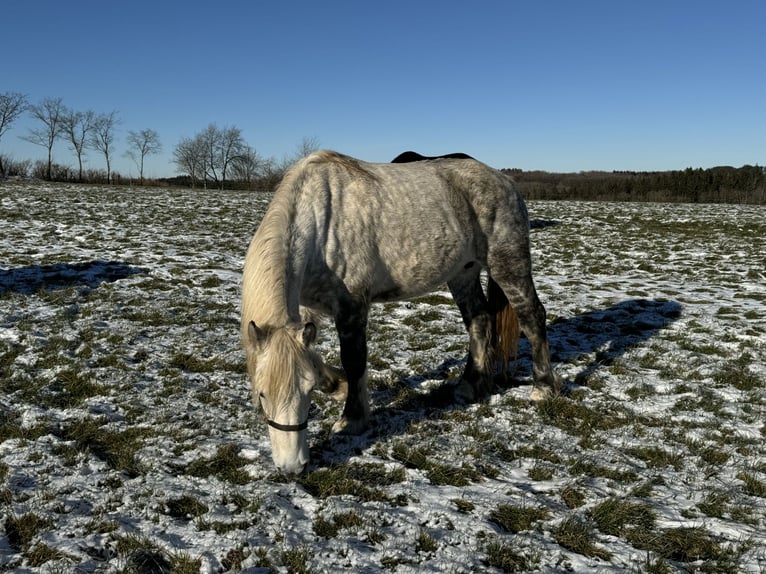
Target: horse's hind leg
[[478, 377], [519, 288]]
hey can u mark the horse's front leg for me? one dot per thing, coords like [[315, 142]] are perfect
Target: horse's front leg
[[351, 322]]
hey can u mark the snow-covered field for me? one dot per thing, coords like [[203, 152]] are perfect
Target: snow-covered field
[[128, 441]]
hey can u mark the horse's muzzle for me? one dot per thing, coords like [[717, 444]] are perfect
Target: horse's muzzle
[[293, 471]]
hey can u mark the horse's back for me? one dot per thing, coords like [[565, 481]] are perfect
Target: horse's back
[[411, 195]]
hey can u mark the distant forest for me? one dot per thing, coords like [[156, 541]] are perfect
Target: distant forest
[[745, 184]]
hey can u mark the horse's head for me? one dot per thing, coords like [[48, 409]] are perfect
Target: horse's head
[[283, 372]]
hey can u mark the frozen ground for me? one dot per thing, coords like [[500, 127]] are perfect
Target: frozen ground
[[128, 441]]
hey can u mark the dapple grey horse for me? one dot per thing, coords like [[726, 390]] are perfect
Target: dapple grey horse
[[341, 234]]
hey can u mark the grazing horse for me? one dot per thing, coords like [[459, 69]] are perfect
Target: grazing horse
[[341, 234]]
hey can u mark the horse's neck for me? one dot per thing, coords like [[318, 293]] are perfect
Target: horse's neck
[[273, 276]]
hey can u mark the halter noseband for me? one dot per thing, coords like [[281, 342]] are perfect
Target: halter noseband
[[284, 428], [288, 428]]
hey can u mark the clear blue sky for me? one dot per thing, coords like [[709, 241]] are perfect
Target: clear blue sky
[[554, 85]]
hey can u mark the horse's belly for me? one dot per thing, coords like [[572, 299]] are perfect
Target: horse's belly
[[417, 272]]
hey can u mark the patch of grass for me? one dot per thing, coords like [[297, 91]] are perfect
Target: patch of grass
[[226, 464], [540, 472], [296, 560], [737, 374], [715, 504], [262, 559], [194, 364], [445, 474], [143, 555], [623, 518], [211, 281], [185, 507], [184, 563], [576, 418], [437, 473], [516, 518], [422, 317], [72, 387], [116, 448], [588, 468], [656, 457], [330, 528], [572, 497], [353, 479], [40, 554], [464, 506], [713, 456], [426, 543], [434, 299], [20, 529], [640, 391], [233, 560], [752, 485], [505, 557], [685, 544], [577, 535]]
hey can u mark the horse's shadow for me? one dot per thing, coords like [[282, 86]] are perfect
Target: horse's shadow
[[89, 274], [543, 223], [606, 334]]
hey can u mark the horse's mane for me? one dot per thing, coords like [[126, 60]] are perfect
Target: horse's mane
[[264, 273]]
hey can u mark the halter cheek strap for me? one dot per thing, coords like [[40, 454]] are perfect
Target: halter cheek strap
[[288, 428]]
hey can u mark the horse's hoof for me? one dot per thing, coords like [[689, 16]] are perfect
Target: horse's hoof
[[465, 393], [540, 394], [347, 426]]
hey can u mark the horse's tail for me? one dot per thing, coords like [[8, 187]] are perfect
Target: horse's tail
[[506, 325]]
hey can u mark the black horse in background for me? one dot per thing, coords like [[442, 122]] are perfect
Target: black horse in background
[[410, 156]]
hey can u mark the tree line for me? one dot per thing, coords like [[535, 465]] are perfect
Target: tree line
[[221, 158], [81, 130], [746, 184], [215, 157]]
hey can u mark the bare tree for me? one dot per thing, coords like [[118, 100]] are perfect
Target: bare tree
[[307, 146], [142, 144], [189, 156], [222, 147], [103, 138], [12, 105], [210, 140], [212, 155], [50, 113], [232, 147], [78, 128], [247, 166]]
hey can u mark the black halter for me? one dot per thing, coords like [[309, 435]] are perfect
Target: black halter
[[288, 428], [284, 428]]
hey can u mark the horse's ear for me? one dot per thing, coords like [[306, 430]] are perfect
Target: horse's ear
[[256, 334], [309, 333]]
